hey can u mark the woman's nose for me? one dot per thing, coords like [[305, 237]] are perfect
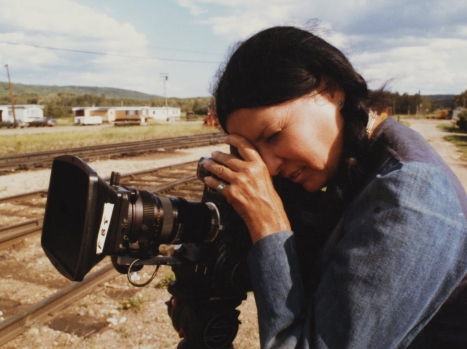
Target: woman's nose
[[272, 162]]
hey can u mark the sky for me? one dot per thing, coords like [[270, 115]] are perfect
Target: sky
[[175, 47]]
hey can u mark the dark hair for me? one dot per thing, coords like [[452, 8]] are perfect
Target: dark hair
[[284, 63]]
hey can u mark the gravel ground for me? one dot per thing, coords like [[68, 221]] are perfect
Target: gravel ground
[[447, 150], [117, 315], [33, 180]]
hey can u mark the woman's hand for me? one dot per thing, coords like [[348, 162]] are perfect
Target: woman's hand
[[248, 188]]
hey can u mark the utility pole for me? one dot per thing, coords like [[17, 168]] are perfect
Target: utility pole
[[11, 97], [165, 77]]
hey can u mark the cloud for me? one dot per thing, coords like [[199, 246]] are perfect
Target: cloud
[[416, 44], [432, 66], [420, 45], [193, 6], [64, 24], [235, 20], [65, 19]]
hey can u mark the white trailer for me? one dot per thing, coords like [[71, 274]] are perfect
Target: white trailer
[[88, 120], [24, 112], [164, 114]]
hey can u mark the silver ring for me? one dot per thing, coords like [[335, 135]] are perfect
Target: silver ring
[[221, 186]]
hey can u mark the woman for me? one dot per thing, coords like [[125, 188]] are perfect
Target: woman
[[359, 230]]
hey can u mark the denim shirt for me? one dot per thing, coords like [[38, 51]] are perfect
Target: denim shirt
[[391, 271]]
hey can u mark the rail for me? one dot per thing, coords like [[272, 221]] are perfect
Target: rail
[[45, 159], [48, 308]]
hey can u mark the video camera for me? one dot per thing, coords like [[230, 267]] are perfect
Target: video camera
[[87, 219]]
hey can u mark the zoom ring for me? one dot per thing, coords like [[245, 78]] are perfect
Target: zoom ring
[[148, 209]]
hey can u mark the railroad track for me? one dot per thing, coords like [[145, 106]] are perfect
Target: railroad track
[[175, 180], [44, 159]]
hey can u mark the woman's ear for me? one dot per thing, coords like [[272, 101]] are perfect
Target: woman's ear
[[338, 96], [336, 93]]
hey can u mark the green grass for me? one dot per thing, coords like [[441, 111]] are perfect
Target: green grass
[[460, 141], [164, 283], [37, 142], [65, 122], [415, 116], [449, 127], [132, 303]]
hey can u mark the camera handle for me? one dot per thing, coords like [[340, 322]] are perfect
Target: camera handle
[[209, 324], [133, 264], [203, 324]]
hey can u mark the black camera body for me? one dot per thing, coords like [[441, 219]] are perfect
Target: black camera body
[[87, 219]]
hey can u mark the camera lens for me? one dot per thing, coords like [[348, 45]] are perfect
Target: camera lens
[[159, 220]]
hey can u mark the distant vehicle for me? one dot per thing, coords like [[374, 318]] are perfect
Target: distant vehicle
[[9, 124], [21, 123], [50, 122], [42, 122]]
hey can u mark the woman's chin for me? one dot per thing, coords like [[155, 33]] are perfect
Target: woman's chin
[[313, 186]]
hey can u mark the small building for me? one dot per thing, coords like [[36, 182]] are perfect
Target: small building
[[164, 113], [23, 112], [456, 112], [4, 117], [104, 114], [124, 114]]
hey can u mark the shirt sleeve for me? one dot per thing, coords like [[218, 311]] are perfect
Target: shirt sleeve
[[396, 255]]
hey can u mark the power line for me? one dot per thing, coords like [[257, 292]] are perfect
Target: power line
[[41, 31], [107, 54]]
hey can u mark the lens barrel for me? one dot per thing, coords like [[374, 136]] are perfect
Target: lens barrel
[[159, 220]]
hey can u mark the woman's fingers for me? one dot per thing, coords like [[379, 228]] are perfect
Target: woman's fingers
[[218, 169], [247, 186], [245, 148], [220, 186]]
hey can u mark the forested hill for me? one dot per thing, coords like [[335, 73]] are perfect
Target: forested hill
[[40, 90], [442, 100], [58, 101]]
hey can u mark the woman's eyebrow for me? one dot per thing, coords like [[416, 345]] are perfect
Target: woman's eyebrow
[[261, 133]]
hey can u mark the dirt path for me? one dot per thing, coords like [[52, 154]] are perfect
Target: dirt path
[[448, 151]]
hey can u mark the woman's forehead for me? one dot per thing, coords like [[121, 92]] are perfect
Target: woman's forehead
[[253, 118]]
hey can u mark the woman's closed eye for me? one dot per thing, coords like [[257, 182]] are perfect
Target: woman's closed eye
[[272, 137]]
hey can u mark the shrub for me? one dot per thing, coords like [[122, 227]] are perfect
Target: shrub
[[130, 303], [462, 120], [442, 114]]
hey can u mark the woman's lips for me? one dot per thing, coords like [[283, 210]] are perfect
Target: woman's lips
[[294, 176]]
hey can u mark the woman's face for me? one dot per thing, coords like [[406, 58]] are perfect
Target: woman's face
[[299, 139]]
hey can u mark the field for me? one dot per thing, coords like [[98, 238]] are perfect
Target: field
[[28, 142]]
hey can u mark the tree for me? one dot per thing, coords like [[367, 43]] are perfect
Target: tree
[[460, 100], [462, 120], [404, 104], [426, 105]]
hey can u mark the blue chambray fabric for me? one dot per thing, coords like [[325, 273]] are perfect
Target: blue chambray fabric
[[394, 258]]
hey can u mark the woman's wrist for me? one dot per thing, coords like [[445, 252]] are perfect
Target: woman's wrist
[[261, 230]]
